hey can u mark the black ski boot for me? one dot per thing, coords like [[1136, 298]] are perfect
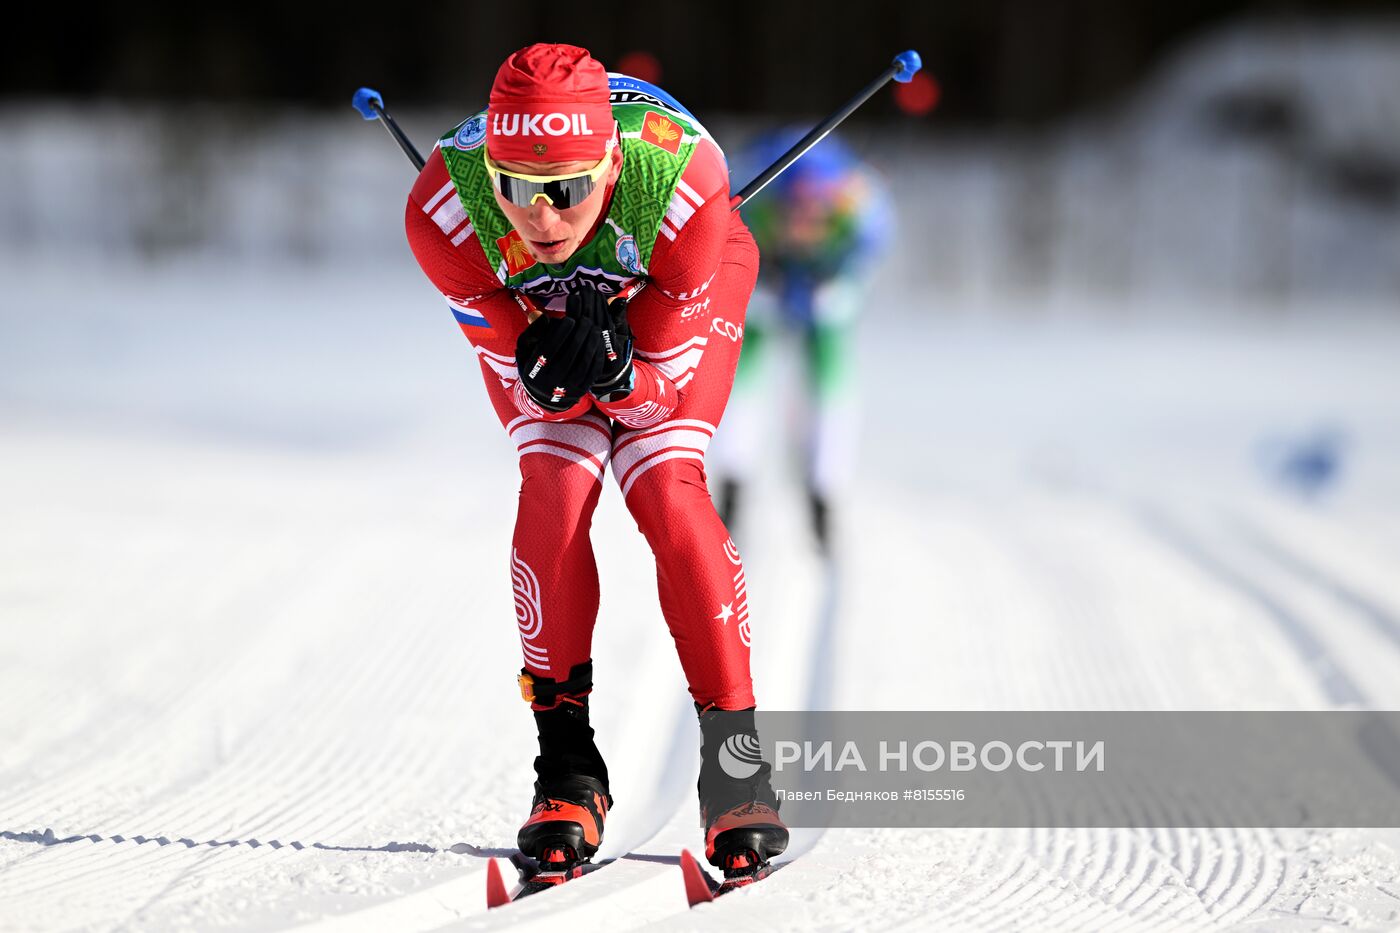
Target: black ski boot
[[571, 799], [737, 805]]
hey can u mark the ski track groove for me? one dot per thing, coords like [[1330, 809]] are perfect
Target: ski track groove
[[1127, 858], [1309, 572], [261, 823], [598, 885], [1003, 892], [190, 803], [44, 852], [667, 797], [184, 873], [198, 688], [1270, 871], [1243, 874], [92, 712], [167, 705], [1160, 861], [1233, 875], [353, 801], [346, 791]]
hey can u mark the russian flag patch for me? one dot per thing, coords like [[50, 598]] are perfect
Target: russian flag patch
[[467, 316]]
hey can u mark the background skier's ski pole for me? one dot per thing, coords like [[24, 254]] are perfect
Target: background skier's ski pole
[[371, 107], [902, 69]]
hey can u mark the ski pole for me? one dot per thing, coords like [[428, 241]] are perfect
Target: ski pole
[[371, 107], [902, 69]]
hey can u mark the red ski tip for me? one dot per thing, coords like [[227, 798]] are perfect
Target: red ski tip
[[495, 886], [697, 883]]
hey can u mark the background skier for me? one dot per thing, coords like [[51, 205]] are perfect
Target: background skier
[[820, 227]]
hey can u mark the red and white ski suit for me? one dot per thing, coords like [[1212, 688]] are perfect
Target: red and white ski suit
[[688, 327]]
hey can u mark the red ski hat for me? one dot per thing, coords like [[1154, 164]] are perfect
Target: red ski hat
[[549, 103]]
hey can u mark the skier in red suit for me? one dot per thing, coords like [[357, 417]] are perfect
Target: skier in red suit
[[538, 219]]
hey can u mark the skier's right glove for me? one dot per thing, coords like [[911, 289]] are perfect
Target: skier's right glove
[[559, 359]]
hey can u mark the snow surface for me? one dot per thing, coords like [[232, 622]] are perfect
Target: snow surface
[[258, 645]]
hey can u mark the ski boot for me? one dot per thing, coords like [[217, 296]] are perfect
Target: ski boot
[[563, 832], [737, 805], [566, 821], [571, 799]]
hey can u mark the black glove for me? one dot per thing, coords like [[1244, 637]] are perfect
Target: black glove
[[559, 360], [614, 380]]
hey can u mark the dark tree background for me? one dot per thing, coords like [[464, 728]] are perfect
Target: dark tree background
[[1021, 61]]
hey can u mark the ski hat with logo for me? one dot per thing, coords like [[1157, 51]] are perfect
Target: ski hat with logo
[[549, 103]]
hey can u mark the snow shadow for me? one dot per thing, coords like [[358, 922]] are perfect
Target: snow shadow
[[49, 838]]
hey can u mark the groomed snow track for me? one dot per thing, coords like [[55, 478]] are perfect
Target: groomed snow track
[[258, 661]]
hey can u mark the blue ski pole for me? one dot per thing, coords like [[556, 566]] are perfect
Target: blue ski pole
[[902, 69]]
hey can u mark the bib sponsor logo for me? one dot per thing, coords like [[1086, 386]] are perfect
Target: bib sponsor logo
[[551, 293], [540, 124], [627, 255], [725, 328], [472, 133], [515, 253], [624, 96], [662, 132]]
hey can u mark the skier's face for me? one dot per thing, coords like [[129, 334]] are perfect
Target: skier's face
[[551, 234]]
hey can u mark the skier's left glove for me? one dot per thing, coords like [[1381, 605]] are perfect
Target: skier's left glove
[[615, 379]]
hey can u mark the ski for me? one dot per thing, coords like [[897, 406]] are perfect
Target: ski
[[700, 888], [534, 876]]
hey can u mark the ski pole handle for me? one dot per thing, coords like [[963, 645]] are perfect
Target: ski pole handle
[[371, 106], [902, 69]]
